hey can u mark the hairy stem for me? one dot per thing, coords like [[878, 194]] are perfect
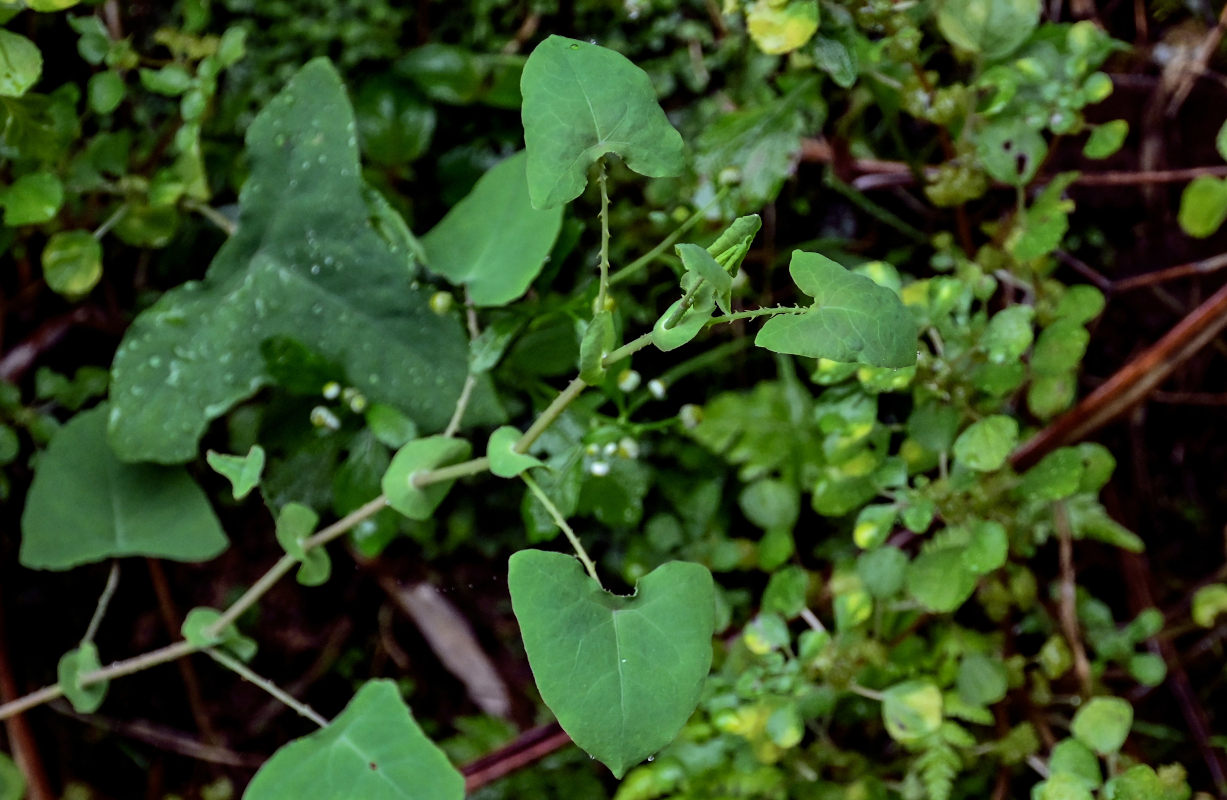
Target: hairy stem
[[603, 287], [104, 600]]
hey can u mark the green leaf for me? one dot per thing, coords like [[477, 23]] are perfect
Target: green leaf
[[874, 525], [781, 27], [1080, 304], [1060, 347], [1106, 139], [852, 319], [882, 571], [992, 28], [732, 245], [599, 341], [786, 591], [171, 80], [987, 547], [32, 199], [418, 456], [505, 462], [305, 263], [117, 509], [389, 425], [939, 579], [295, 523], [1148, 669], [622, 674], [445, 73], [985, 445], [981, 680], [582, 101], [243, 472], [105, 91], [1072, 757], [1220, 141], [72, 263], [12, 781], [1042, 227], [770, 504], [1103, 724], [394, 124], [494, 241], [1057, 476], [1008, 334], [692, 321], [50, 5], [761, 144], [1141, 782], [837, 59], [1208, 603], [201, 618], [912, 710], [1203, 206], [21, 64], [699, 262], [1011, 151], [1062, 786], [84, 699], [373, 749]]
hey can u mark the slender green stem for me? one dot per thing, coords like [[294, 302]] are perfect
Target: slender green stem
[[251, 676], [632, 268], [603, 288], [210, 213], [627, 350], [111, 221], [474, 466], [552, 412], [684, 306], [872, 694], [104, 600], [561, 522], [470, 380]]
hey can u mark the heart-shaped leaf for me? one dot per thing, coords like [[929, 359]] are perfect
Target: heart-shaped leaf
[[294, 524], [582, 101], [494, 241], [622, 674], [374, 749], [852, 319], [243, 472], [117, 509]]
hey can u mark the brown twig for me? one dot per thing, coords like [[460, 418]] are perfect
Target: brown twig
[[168, 739], [533, 745], [191, 683], [1205, 266], [1068, 600], [17, 361], [1197, 65], [1131, 383], [21, 739]]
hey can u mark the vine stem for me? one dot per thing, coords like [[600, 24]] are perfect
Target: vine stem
[[561, 522], [603, 288], [251, 676], [755, 312], [629, 271], [104, 600], [286, 563]]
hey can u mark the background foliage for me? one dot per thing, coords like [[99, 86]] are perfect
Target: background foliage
[[302, 270]]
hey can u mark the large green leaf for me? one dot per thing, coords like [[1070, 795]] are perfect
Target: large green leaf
[[305, 262], [374, 749], [116, 509], [622, 674], [992, 28], [852, 319], [494, 241], [582, 101]]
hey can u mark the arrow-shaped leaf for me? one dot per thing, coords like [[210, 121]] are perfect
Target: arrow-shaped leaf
[[582, 101], [852, 319]]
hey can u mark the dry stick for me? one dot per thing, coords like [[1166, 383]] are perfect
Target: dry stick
[[529, 747], [21, 738], [1068, 600], [897, 173], [1131, 383], [165, 738], [1199, 65], [1202, 267], [187, 673]]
